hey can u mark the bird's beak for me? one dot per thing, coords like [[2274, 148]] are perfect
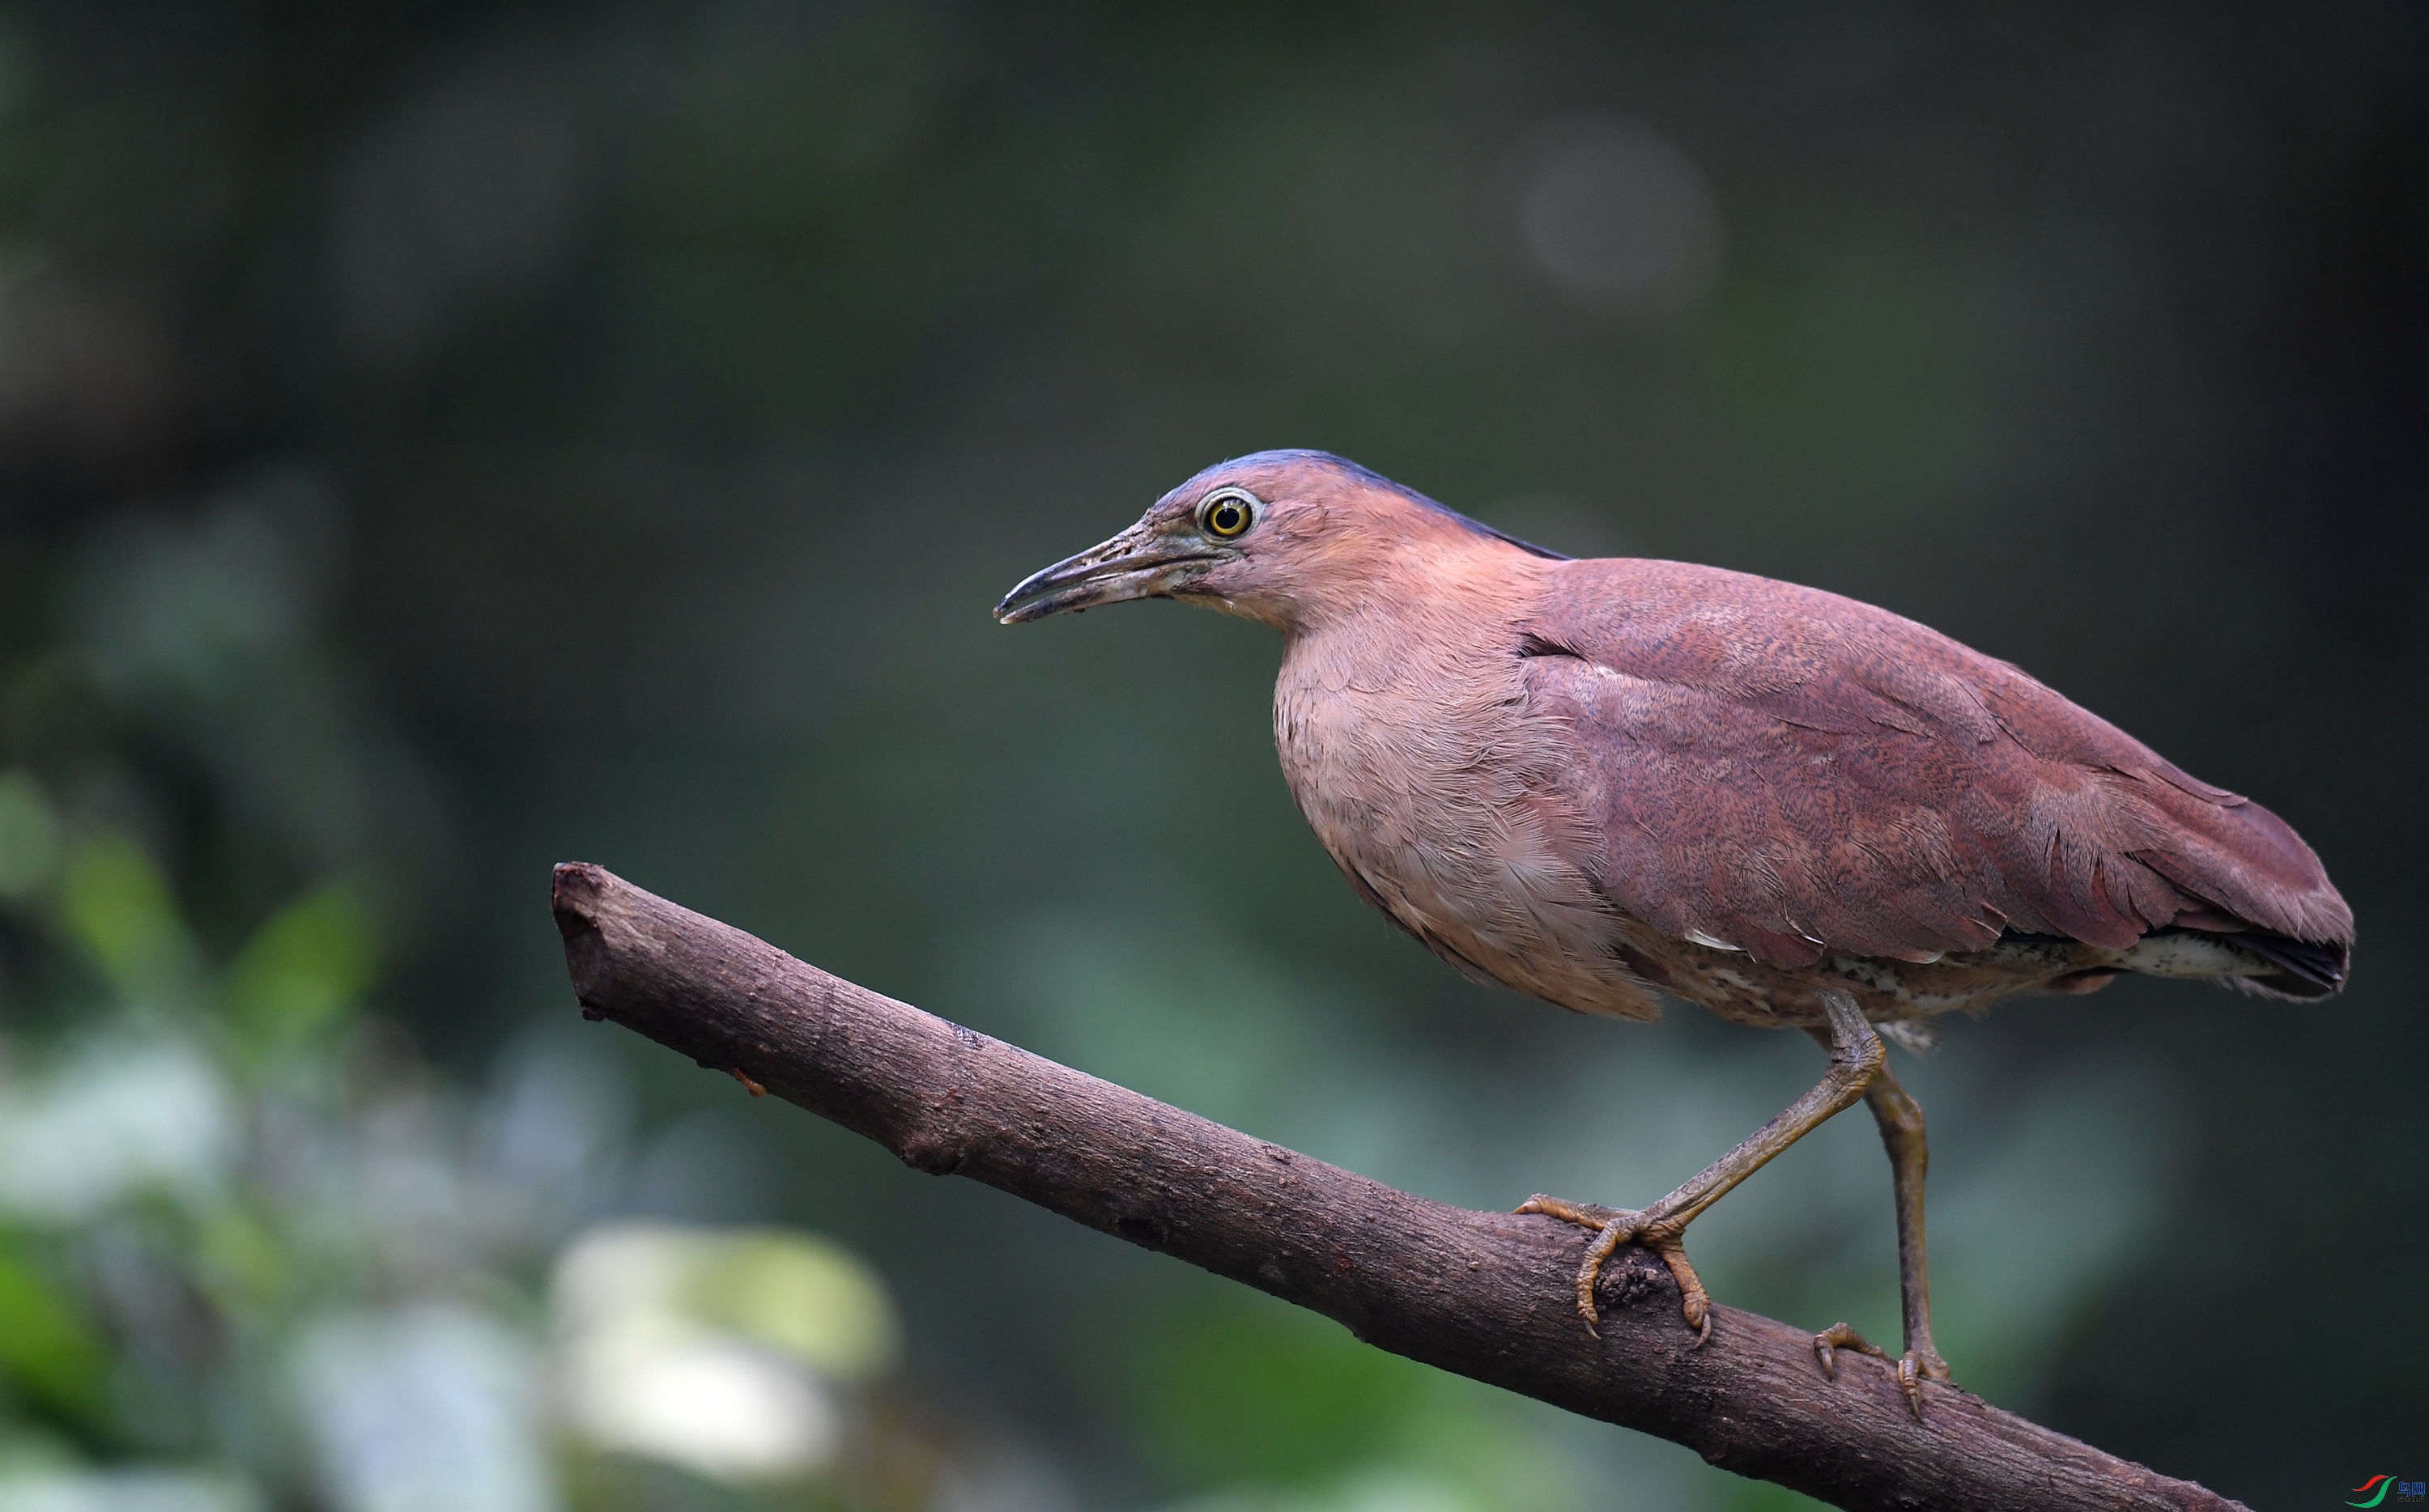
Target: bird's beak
[[1143, 562]]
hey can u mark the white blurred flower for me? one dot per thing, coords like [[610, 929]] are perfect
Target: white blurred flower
[[715, 1351], [429, 1408], [727, 1411], [123, 1115]]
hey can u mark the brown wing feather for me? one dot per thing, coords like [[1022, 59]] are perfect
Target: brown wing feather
[[1788, 771]]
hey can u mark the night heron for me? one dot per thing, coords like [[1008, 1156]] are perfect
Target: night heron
[[1594, 781]]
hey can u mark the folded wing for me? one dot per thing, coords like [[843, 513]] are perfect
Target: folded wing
[[1786, 771]]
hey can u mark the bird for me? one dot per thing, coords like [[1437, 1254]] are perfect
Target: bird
[[1601, 780]]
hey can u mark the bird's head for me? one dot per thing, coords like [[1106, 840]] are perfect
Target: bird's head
[[1279, 536]]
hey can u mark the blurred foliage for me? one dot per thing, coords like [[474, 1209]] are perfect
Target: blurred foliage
[[47, 1349], [249, 1243], [1283, 1399], [436, 441], [308, 963], [237, 1237], [114, 902]]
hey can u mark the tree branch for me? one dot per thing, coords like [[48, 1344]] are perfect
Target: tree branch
[[1485, 1295]]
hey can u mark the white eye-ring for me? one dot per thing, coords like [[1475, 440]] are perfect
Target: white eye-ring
[[1227, 512]]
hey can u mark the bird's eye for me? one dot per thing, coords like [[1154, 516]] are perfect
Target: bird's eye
[[1228, 515]]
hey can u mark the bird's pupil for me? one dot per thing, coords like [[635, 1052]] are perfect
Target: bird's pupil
[[1227, 517]]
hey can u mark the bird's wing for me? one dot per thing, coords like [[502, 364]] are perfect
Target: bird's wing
[[1784, 771]]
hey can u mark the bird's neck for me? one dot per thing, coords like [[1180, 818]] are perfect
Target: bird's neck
[[1438, 589]]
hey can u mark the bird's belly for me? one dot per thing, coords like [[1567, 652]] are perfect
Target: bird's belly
[[1464, 842], [1503, 908]]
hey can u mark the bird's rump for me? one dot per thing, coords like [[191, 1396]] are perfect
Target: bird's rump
[[1787, 772]]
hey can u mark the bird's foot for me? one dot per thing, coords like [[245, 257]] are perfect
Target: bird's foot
[[1614, 1226], [1913, 1368]]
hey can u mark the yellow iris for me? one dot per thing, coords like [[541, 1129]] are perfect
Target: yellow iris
[[1227, 517]]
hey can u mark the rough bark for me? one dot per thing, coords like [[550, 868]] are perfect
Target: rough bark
[[1483, 1294]]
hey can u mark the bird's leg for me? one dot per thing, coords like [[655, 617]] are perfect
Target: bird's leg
[[1855, 1058], [1901, 1121], [1900, 1117]]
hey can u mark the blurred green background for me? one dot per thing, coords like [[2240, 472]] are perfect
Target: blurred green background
[[440, 441]]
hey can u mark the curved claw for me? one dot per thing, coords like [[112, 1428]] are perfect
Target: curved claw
[[1909, 1375], [1692, 1299], [1828, 1344], [1614, 1226], [1617, 1231], [1912, 1368], [1916, 1366]]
